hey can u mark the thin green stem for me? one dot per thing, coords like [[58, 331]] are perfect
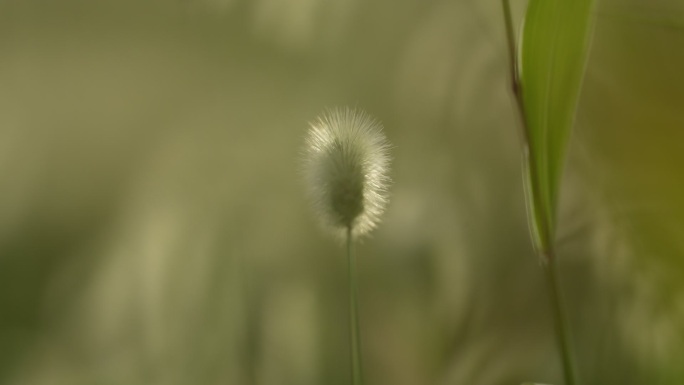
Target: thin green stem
[[560, 318], [540, 215], [354, 337], [510, 39]]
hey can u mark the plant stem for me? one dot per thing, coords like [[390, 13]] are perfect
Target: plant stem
[[540, 213], [510, 40], [560, 318], [355, 340]]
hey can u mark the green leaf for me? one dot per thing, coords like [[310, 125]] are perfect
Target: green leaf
[[553, 53]]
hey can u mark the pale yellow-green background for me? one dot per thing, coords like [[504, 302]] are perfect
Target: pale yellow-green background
[[154, 227]]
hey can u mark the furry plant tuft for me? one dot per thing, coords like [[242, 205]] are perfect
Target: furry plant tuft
[[347, 165]]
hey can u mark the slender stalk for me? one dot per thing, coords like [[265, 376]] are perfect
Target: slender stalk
[[540, 214], [355, 340], [510, 40], [560, 318]]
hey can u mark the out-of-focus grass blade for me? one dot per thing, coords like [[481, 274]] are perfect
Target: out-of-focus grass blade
[[553, 52]]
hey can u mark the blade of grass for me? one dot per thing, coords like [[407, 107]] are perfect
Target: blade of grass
[[546, 87], [555, 39]]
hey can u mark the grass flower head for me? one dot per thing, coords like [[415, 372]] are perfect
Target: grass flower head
[[347, 165]]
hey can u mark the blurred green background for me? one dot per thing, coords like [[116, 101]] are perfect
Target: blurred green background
[[154, 227]]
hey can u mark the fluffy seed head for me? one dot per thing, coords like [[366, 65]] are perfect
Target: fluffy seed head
[[347, 166]]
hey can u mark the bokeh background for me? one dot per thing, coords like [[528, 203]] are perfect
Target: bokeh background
[[154, 227]]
